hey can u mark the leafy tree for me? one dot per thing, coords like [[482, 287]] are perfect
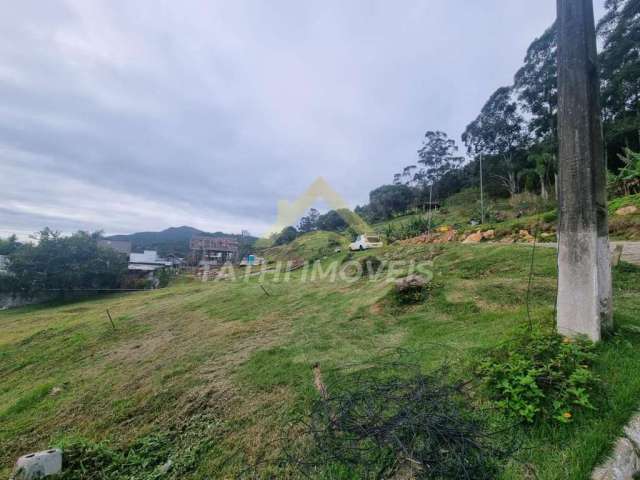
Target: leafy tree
[[9, 245], [498, 131], [619, 60], [536, 85], [365, 211], [309, 222], [407, 177], [542, 156], [438, 156], [288, 235], [63, 264], [332, 221], [389, 200]]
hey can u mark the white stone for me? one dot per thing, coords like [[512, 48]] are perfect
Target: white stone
[[632, 431], [624, 463], [630, 210], [38, 465]]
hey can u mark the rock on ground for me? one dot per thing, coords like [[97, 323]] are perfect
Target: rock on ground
[[630, 210], [410, 282], [624, 463], [474, 238]]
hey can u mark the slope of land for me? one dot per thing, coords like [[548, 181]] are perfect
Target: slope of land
[[522, 212], [209, 374], [308, 246]]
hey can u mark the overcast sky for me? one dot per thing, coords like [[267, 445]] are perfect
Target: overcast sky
[[127, 116]]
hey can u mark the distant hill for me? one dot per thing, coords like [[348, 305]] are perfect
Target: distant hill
[[174, 240]]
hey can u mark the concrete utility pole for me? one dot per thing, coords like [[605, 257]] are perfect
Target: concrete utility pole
[[481, 194], [584, 287]]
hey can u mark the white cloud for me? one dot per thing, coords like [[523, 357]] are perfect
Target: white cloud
[[128, 115]]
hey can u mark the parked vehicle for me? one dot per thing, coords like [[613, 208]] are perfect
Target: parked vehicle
[[365, 242]]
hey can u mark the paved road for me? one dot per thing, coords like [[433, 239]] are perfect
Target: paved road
[[630, 250]]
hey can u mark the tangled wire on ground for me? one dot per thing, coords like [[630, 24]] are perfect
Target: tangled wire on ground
[[395, 423]]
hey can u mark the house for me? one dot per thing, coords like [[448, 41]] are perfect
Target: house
[[120, 246], [175, 260], [148, 261], [214, 250]]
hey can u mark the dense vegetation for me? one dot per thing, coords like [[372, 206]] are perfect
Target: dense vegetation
[[58, 264], [515, 133]]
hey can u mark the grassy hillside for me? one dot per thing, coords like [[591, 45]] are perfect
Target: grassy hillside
[[209, 374], [308, 246], [524, 211]]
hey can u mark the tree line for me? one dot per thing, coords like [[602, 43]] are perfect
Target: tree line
[[515, 133], [57, 264]]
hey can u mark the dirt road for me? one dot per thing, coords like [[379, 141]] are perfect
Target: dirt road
[[630, 250]]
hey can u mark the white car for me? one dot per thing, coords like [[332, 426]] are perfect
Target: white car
[[365, 242]]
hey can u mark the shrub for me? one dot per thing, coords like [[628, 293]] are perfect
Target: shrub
[[370, 265], [390, 233], [541, 376], [627, 181], [347, 257], [165, 277], [550, 217], [410, 290]]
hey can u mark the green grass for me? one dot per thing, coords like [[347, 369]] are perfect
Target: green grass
[[307, 246], [217, 370]]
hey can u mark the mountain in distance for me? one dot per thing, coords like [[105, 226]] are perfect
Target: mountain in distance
[[174, 240]]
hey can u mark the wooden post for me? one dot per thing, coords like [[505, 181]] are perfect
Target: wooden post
[[584, 284], [111, 319]]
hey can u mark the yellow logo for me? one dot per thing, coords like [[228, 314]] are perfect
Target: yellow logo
[[290, 212]]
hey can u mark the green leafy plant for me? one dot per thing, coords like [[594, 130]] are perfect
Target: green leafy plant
[[551, 216], [540, 376], [627, 180], [390, 233]]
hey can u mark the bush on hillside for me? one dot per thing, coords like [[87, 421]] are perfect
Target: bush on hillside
[[550, 217], [370, 265], [410, 290]]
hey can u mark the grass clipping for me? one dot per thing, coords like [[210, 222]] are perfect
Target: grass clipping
[[380, 425]]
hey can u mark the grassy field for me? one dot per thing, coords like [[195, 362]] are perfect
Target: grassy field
[[209, 374]]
